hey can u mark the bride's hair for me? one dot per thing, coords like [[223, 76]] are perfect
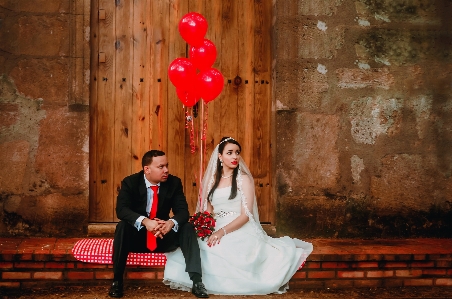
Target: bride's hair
[[223, 142]]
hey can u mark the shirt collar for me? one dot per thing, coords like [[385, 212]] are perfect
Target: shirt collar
[[148, 184]]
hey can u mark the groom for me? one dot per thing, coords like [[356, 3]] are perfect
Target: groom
[[143, 207]]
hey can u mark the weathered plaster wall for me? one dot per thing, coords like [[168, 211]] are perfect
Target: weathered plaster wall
[[364, 117], [43, 117]]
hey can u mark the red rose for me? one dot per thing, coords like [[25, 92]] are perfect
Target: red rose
[[203, 223]]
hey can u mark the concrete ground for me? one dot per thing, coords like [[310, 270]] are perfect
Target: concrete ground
[[161, 291]]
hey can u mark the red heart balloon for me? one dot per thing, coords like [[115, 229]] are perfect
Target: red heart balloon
[[182, 73], [188, 97], [193, 28], [210, 83], [204, 55]]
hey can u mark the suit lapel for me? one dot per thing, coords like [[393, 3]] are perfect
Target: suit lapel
[[142, 187], [163, 190]]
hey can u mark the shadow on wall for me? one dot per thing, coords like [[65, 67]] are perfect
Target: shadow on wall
[[358, 218]]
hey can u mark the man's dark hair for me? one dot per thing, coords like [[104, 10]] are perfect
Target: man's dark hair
[[147, 158]]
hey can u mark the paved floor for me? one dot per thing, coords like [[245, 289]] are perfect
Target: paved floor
[[161, 291]]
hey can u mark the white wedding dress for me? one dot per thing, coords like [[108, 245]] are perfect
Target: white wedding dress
[[245, 262]]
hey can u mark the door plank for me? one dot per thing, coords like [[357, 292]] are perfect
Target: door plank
[[140, 83], [122, 154], [93, 113], [229, 63], [176, 125], [246, 71], [159, 63], [213, 13], [105, 135], [192, 163], [262, 109]]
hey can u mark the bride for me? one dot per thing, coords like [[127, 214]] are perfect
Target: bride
[[239, 258]]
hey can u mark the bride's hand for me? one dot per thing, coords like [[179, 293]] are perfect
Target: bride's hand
[[214, 239]]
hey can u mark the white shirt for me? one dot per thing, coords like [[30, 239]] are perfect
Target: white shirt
[[150, 199]]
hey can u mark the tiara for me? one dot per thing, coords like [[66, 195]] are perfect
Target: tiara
[[227, 139]]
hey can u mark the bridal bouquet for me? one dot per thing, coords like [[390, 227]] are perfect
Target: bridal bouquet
[[204, 224]]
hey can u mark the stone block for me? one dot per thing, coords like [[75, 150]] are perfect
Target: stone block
[[447, 194], [284, 9], [300, 85], [9, 113], [371, 117], [422, 108], [317, 42], [43, 35], [308, 156], [305, 38], [401, 46], [37, 6], [59, 209], [78, 83], [403, 182], [54, 214], [318, 8], [357, 165], [79, 6], [79, 41], [357, 78], [13, 161], [9, 33], [418, 11], [62, 156], [412, 77], [43, 78], [2, 64]]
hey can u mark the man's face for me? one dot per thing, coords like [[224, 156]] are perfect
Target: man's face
[[157, 171]]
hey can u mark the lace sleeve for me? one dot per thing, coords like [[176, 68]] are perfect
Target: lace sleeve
[[245, 184], [248, 192]]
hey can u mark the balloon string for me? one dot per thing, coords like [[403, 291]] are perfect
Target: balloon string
[[204, 133], [204, 129], [192, 133], [187, 117], [200, 196]]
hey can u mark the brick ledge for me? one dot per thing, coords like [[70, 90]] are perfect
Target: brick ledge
[[44, 262]]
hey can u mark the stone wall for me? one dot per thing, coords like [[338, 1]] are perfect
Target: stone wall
[[364, 118], [44, 117]]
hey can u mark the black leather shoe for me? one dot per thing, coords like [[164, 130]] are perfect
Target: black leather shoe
[[116, 289], [199, 290]]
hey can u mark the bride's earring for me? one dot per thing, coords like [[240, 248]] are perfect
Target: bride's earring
[[221, 163]]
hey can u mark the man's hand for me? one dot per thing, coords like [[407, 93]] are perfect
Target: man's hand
[[163, 227], [151, 225]]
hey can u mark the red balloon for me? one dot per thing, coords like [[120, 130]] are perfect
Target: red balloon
[[210, 83], [188, 97], [193, 28], [182, 73], [203, 56]]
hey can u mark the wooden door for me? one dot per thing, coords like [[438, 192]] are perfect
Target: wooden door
[[135, 108]]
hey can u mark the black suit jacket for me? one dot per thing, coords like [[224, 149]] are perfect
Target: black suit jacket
[[132, 199]]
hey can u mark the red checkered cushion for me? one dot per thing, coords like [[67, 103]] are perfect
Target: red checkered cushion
[[100, 250]]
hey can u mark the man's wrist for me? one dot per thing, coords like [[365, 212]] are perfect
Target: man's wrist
[[145, 220]]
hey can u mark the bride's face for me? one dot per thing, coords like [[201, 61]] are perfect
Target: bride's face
[[230, 155]]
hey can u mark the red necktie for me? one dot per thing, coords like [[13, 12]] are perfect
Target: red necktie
[[151, 239]]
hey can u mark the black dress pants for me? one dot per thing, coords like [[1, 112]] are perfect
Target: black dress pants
[[129, 239]]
